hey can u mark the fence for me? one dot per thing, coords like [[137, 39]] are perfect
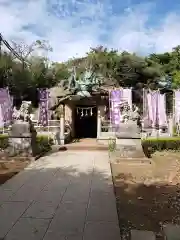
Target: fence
[[52, 130], [109, 130]]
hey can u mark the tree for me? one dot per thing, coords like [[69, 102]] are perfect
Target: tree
[[21, 79], [60, 71], [26, 51], [176, 79], [118, 69]]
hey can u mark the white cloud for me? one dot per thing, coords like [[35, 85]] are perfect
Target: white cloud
[[73, 26], [135, 34]]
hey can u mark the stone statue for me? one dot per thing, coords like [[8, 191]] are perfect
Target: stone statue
[[86, 80], [126, 113], [72, 83], [24, 111], [128, 136], [129, 125], [135, 113], [83, 85], [22, 135]]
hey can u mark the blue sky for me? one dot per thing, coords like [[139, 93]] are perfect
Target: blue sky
[[73, 26]]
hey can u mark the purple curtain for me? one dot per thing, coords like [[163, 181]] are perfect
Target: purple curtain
[[177, 106], [127, 96], [115, 98], [152, 99], [162, 118], [43, 107], [6, 103]]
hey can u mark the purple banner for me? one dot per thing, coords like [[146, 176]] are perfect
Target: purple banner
[[3, 94], [43, 107], [152, 98], [177, 105], [162, 118], [115, 98], [6, 103]]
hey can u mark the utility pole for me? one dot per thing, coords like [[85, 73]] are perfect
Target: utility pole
[[0, 44], [1, 76]]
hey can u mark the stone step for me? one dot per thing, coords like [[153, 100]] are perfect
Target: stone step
[[142, 235], [171, 232], [83, 147]]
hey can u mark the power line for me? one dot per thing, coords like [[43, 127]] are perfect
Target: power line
[[2, 40]]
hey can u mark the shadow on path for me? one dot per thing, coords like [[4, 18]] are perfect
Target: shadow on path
[[66, 195]]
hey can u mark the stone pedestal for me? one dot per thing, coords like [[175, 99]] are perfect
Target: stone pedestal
[[128, 130], [21, 140], [128, 143], [129, 148]]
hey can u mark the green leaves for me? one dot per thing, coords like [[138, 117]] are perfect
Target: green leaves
[[24, 80], [125, 69], [118, 69], [176, 79]]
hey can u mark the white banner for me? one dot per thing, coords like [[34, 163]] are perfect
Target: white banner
[[177, 106]]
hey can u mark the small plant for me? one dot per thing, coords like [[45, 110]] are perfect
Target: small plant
[[111, 145]]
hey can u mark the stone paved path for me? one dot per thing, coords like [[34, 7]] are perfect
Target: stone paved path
[[65, 196]]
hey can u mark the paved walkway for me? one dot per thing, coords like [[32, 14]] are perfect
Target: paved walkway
[[64, 196]]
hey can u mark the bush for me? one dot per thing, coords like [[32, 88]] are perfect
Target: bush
[[3, 141], [159, 144], [43, 143]]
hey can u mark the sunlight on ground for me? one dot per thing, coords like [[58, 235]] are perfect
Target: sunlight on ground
[[148, 195]]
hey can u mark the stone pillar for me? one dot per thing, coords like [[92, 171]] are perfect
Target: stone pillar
[[62, 123], [154, 131], [170, 126], [98, 123]]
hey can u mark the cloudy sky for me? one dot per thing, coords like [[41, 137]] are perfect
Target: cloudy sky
[[73, 26]]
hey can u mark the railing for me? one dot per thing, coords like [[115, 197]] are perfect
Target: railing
[[105, 126], [52, 130], [53, 126], [108, 130]]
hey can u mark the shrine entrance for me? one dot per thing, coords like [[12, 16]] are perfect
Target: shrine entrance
[[85, 122]]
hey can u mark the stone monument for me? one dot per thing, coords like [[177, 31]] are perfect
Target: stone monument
[[128, 139], [22, 135]]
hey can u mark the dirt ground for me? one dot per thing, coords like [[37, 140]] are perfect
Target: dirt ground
[[148, 195], [11, 168]]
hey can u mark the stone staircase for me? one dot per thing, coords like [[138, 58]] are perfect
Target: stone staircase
[[169, 232], [84, 145]]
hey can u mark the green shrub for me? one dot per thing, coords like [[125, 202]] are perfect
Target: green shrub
[[3, 141], [43, 143], [111, 144], [151, 145]]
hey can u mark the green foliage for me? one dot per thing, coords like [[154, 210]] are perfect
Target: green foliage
[[3, 141], [159, 144], [123, 69], [43, 143], [117, 69], [24, 79], [176, 79], [111, 145]]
